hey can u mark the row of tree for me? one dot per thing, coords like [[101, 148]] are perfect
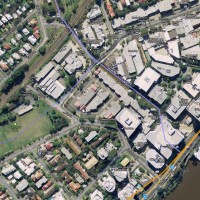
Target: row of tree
[[15, 79]]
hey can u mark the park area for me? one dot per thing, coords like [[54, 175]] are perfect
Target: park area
[[22, 129]]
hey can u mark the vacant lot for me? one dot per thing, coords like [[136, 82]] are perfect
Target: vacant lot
[[24, 129]]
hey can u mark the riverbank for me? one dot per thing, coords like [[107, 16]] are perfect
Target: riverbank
[[189, 187]]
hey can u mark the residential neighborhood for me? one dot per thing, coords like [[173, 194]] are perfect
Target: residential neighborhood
[[99, 99]]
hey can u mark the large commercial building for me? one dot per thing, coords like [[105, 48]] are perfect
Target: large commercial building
[[155, 159], [164, 137], [193, 88], [147, 79], [129, 120], [178, 104], [133, 58]]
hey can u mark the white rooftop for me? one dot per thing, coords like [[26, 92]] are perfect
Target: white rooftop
[[178, 104], [193, 88], [129, 120], [163, 137], [147, 79], [155, 159]]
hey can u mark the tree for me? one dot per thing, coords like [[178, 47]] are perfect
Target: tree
[[42, 50], [27, 101], [112, 154], [72, 80], [144, 33]]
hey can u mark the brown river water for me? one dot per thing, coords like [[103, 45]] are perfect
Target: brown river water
[[189, 188]]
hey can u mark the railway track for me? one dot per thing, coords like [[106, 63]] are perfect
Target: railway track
[[56, 45]]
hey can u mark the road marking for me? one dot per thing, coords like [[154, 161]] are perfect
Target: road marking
[[166, 169]]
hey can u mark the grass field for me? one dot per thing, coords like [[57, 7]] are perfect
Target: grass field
[[39, 129]]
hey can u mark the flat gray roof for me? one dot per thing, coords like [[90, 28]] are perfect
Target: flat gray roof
[[60, 56], [178, 104], [158, 94], [45, 70]]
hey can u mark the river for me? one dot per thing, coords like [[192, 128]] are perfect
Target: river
[[189, 188]]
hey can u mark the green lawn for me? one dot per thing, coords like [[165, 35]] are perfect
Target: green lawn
[[40, 128]]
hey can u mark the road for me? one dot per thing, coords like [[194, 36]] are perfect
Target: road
[[183, 154], [9, 188]]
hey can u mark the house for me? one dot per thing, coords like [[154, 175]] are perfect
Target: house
[[66, 176], [147, 79], [10, 61], [23, 52], [47, 185], [13, 42], [100, 140], [75, 148], [66, 153], [7, 46], [32, 39], [50, 191], [61, 167], [26, 165], [24, 110], [22, 185], [38, 175], [96, 195], [125, 162], [16, 56], [41, 182], [110, 9], [27, 47], [55, 160], [33, 22], [4, 66], [91, 136], [102, 153], [128, 120], [17, 175], [25, 31], [18, 37], [91, 163], [7, 170], [84, 174], [74, 186]]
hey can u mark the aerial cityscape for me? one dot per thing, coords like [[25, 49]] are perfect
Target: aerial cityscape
[[99, 99]]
